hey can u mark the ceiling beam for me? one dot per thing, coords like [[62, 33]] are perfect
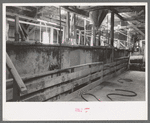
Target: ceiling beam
[[93, 8], [133, 18], [76, 11], [22, 8], [20, 16], [135, 27], [117, 13]]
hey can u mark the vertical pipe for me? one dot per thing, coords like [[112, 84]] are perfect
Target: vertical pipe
[[40, 31], [84, 31], [63, 37], [91, 43], [51, 36], [112, 29], [16, 28]]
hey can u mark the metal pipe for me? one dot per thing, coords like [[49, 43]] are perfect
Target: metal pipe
[[12, 20]]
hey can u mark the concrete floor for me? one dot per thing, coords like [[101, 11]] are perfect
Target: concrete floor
[[137, 85]]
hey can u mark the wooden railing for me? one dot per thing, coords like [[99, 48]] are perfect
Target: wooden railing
[[64, 84]]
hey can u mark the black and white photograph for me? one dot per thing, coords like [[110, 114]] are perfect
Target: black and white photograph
[[93, 54]]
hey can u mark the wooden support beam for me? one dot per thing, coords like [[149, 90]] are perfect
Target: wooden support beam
[[32, 30], [79, 37], [99, 40], [23, 8], [137, 29], [75, 31], [84, 32], [135, 26], [68, 25], [76, 11], [60, 34], [16, 77], [16, 28], [112, 29], [21, 16], [24, 29], [117, 13], [22, 33], [94, 35]]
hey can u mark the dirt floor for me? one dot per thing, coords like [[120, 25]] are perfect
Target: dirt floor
[[135, 81]]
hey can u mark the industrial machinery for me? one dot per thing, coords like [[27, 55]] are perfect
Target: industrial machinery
[[137, 56]]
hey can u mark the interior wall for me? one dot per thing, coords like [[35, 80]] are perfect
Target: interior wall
[[32, 59]]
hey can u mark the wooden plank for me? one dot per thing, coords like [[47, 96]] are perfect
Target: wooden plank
[[119, 62], [38, 84], [120, 71], [107, 66], [96, 75], [120, 66], [53, 92], [26, 78], [81, 68], [49, 93], [84, 89], [17, 78], [106, 71], [125, 57], [96, 68], [113, 68], [108, 76]]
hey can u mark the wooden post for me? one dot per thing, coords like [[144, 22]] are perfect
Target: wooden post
[[16, 92], [68, 25], [60, 34], [63, 36], [84, 31], [60, 38], [94, 36], [112, 29], [106, 54], [112, 35], [79, 37], [75, 31], [99, 39], [16, 28]]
